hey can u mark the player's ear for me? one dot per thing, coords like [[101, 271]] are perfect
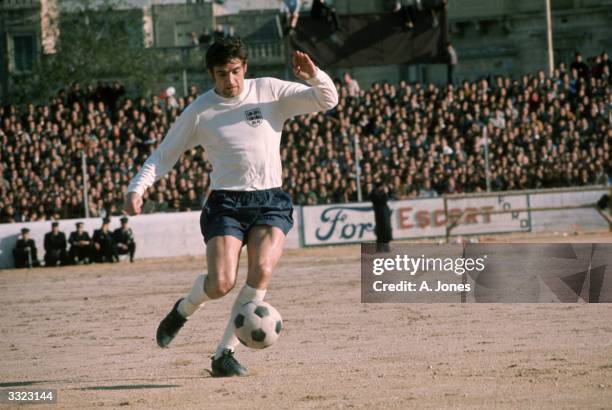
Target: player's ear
[[212, 73], [244, 67]]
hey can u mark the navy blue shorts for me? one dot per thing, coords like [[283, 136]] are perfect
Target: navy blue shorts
[[236, 212]]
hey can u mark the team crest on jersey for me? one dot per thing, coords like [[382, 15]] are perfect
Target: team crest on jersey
[[254, 117]]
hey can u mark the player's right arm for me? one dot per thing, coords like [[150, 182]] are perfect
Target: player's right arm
[[180, 138], [319, 94]]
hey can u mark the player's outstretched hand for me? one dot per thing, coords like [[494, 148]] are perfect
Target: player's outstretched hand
[[132, 204], [303, 67]]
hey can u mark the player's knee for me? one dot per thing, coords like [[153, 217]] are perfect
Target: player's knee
[[225, 286], [262, 272], [220, 287]]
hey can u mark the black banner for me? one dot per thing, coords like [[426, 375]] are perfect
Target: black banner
[[374, 39]]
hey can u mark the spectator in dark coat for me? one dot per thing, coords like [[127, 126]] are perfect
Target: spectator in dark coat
[[104, 247], [580, 66], [25, 253], [55, 246], [123, 238], [80, 245], [382, 215]]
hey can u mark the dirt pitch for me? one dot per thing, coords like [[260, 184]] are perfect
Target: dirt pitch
[[89, 333]]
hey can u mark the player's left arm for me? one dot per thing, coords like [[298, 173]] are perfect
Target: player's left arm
[[295, 98]]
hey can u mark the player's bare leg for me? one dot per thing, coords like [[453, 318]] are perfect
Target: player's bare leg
[[222, 255], [264, 248]]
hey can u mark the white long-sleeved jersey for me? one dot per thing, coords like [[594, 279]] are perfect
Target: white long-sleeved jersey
[[241, 135]]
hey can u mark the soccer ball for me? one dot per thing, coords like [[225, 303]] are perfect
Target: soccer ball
[[257, 324]]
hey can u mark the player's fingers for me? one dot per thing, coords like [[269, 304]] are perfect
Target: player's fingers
[[303, 58], [129, 208], [295, 60]]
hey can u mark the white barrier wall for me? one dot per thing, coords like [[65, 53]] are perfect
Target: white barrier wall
[[584, 219], [156, 235]]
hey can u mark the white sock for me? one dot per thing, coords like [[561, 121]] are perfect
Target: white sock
[[229, 340], [194, 299]]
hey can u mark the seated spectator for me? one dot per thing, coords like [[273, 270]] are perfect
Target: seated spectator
[[123, 239], [160, 205], [104, 246], [25, 253], [191, 202], [306, 196], [55, 246], [426, 190], [80, 245]]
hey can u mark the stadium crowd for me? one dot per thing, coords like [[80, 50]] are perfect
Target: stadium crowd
[[423, 140]]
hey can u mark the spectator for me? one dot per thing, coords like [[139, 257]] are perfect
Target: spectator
[[352, 86], [25, 253], [194, 41], [290, 9], [80, 245], [580, 66], [161, 205], [104, 247], [306, 196], [55, 246], [382, 216], [426, 190], [123, 238]]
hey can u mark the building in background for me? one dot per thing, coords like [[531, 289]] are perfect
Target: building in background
[[509, 36], [183, 32], [502, 37], [491, 38], [28, 28]]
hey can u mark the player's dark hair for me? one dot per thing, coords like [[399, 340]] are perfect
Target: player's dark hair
[[225, 50]]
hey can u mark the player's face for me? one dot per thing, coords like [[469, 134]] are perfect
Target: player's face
[[229, 78]]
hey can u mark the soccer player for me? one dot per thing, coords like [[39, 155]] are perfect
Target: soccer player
[[239, 124]]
